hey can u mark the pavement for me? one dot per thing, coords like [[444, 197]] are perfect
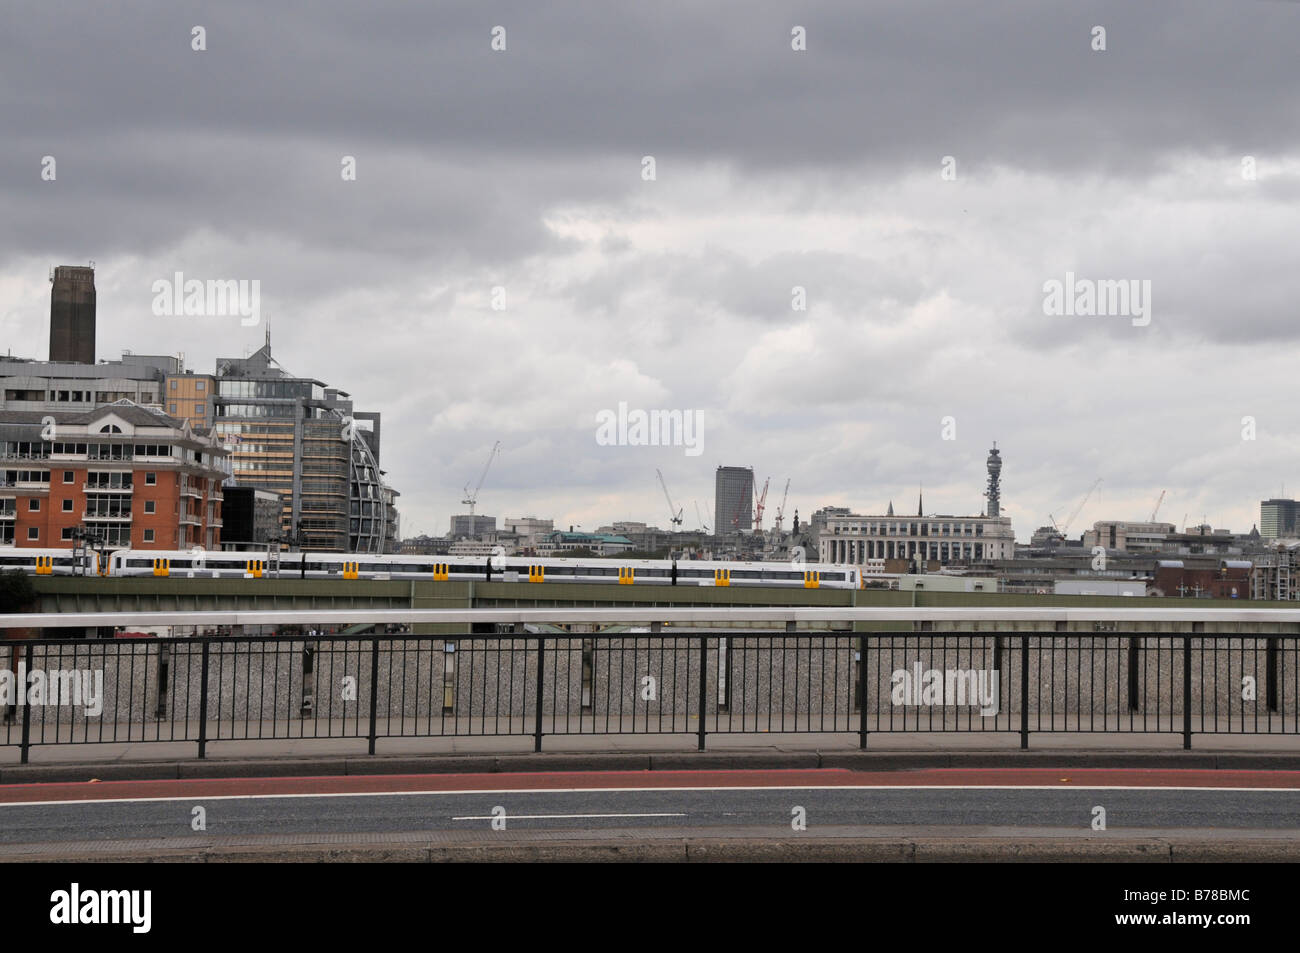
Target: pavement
[[273, 757]]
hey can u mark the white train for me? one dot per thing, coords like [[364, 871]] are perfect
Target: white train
[[348, 566]]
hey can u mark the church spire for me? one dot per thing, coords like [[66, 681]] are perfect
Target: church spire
[[920, 502], [891, 508]]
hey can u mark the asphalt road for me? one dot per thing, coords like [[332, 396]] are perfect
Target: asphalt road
[[612, 802]]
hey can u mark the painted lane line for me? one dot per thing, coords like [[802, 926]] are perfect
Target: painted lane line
[[552, 817], [518, 791]]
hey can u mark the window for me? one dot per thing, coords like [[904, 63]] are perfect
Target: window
[[171, 408], [149, 506], [68, 476], [67, 532], [148, 536], [67, 506], [172, 385], [33, 506], [199, 410], [150, 479], [198, 385], [33, 533]]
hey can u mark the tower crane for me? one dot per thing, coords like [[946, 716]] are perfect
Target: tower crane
[[700, 516], [471, 499], [674, 512], [780, 510], [1157, 509], [1064, 528], [759, 504]]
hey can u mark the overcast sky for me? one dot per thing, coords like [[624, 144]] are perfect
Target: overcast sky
[[774, 168]]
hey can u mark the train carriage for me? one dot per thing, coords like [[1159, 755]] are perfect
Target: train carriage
[[48, 562], [348, 566]]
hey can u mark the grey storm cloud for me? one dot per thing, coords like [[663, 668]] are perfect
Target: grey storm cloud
[[522, 170]]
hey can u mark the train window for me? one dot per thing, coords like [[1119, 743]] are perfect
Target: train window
[[747, 573]]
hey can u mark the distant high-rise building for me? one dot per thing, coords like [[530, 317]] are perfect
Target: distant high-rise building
[[1277, 518], [994, 492], [72, 315], [301, 439], [462, 524], [733, 500]]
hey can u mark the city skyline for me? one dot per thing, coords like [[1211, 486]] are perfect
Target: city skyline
[[824, 169]]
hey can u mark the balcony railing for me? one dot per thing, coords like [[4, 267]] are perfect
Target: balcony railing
[[111, 515], [97, 488]]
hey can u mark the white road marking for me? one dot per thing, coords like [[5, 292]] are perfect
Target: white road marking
[[551, 817], [761, 787]]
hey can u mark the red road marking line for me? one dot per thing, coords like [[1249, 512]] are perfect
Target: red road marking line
[[598, 780]]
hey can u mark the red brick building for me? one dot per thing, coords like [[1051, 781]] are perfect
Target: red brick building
[[127, 476], [1230, 581]]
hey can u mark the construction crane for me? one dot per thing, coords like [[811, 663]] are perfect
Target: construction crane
[[700, 516], [760, 501], [1157, 509], [1064, 528], [471, 499], [674, 512], [780, 510]]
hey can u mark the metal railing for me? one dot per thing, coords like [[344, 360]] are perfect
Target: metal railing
[[685, 674]]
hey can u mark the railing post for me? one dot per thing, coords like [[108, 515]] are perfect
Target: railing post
[[704, 685], [374, 689], [27, 712], [1024, 691], [1187, 692], [1270, 673], [203, 701], [541, 680], [308, 704], [1133, 674], [164, 653], [862, 693]]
